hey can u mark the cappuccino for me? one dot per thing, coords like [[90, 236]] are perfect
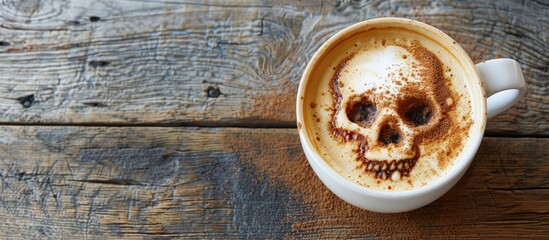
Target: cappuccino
[[389, 109]]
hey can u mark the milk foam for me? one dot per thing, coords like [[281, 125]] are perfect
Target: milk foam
[[377, 69], [380, 65]]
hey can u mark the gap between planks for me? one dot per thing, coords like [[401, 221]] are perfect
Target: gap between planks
[[223, 125]]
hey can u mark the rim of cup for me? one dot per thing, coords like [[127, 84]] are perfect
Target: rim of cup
[[464, 158]]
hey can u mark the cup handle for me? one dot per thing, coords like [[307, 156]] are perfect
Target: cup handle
[[503, 82]]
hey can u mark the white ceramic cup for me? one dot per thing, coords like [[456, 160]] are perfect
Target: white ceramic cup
[[496, 85]]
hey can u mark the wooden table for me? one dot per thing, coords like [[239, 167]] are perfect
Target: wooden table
[[154, 119]]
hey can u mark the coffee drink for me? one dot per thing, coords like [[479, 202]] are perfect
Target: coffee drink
[[391, 111], [389, 108]]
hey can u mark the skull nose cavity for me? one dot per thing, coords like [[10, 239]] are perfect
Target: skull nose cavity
[[389, 135], [361, 113]]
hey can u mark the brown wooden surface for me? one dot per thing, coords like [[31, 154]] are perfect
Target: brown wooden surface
[[151, 62], [230, 182], [114, 92]]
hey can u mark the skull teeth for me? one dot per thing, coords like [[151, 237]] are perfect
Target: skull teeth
[[393, 170], [395, 176], [384, 167]]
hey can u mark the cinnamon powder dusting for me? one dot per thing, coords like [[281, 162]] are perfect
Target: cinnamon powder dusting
[[279, 160], [319, 212], [427, 109]]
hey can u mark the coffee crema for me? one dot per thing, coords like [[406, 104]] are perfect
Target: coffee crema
[[389, 109]]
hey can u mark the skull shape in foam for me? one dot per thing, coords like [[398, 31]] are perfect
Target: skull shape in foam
[[385, 102]]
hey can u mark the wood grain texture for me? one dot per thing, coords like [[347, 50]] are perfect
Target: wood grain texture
[[151, 62], [150, 182]]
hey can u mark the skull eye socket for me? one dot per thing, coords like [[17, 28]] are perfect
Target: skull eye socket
[[362, 112], [416, 111]]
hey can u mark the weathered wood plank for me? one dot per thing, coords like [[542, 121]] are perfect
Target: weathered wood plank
[[126, 182], [152, 62]]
